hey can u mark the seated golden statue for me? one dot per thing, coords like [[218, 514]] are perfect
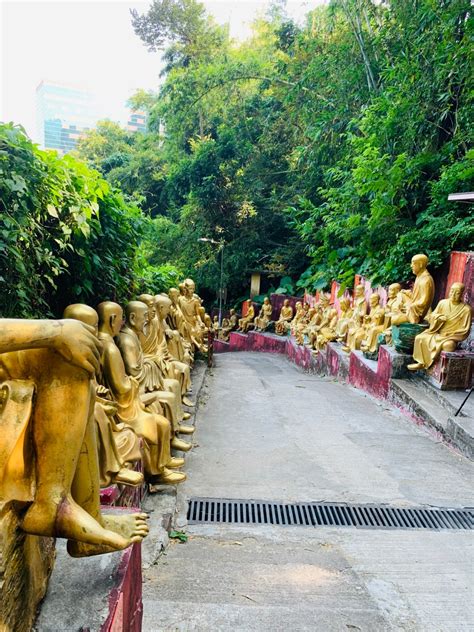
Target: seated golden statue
[[375, 324], [228, 326], [417, 302], [325, 331], [450, 323], [344, 318], [118, 446], [247, 321], [358, 332], [359, 310], [48, 451], [178, 323], [124, 389], [283, 324], [190, 305], [264, 317], [168, 392], [297, 317], [155, 346], [394, 306], [310, 317]]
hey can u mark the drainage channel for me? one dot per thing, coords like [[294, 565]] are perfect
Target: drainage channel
[[234, 511]]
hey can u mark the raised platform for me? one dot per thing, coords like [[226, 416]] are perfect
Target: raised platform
[[256, 341], [100, 594]]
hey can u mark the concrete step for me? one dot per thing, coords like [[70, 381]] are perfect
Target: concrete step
[[436, 412], [420, 403], [451, 400]]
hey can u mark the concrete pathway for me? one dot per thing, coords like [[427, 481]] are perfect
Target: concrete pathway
[[268, 431]]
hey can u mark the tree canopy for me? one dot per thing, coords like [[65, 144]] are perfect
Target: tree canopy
[[314, 151]]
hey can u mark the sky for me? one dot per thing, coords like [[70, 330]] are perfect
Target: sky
[[91, 45]]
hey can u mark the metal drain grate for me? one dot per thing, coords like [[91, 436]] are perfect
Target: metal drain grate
[[233, 511]]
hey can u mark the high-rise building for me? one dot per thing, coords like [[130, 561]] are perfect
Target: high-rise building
[[63, 114], [137, 121]]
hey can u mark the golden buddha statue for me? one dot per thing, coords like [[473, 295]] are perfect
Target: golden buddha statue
[[118, 446], [359, 310], [155, 346], [375, 324], [264, 317], [178, 345], [310, 316], [394, 302], [297, 317], [325, 331], [343, 318], [358, 332], [283, 323], [124, 389], [190, 304], [417, 302], [48, 452], [169, 393], [450, 323], [228, 325], [247, 321]]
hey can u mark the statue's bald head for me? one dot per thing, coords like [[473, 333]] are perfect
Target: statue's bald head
[[110, 317], [146, 298], [456, 292], [136, 315], [135, 307], [82, 312], [162, 299], [419, 263]]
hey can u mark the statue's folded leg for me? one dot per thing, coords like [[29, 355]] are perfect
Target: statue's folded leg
[[62, 422]]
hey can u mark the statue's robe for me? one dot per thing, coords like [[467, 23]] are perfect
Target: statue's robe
[[155, 349], [131, 411], [147, 373], [264, 317], [420, 298], [283, 323], [429, 344]]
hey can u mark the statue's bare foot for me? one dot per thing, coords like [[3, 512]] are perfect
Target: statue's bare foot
[[188, 402], [128, 477], [186, 430], [417, 366], [69, 520], [130, 527]]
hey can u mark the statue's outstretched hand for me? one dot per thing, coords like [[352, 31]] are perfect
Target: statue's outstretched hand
[[78, 343]]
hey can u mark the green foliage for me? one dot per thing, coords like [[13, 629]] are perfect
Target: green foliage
[[313, 152], [65, 235]]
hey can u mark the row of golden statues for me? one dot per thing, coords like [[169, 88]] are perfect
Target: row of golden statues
[[359, 326], [82, 399]]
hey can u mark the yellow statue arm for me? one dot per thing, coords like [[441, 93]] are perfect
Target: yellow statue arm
[[74, 340], [114, 369]]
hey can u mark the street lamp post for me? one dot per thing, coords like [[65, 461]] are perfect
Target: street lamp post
[[221, 288]]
